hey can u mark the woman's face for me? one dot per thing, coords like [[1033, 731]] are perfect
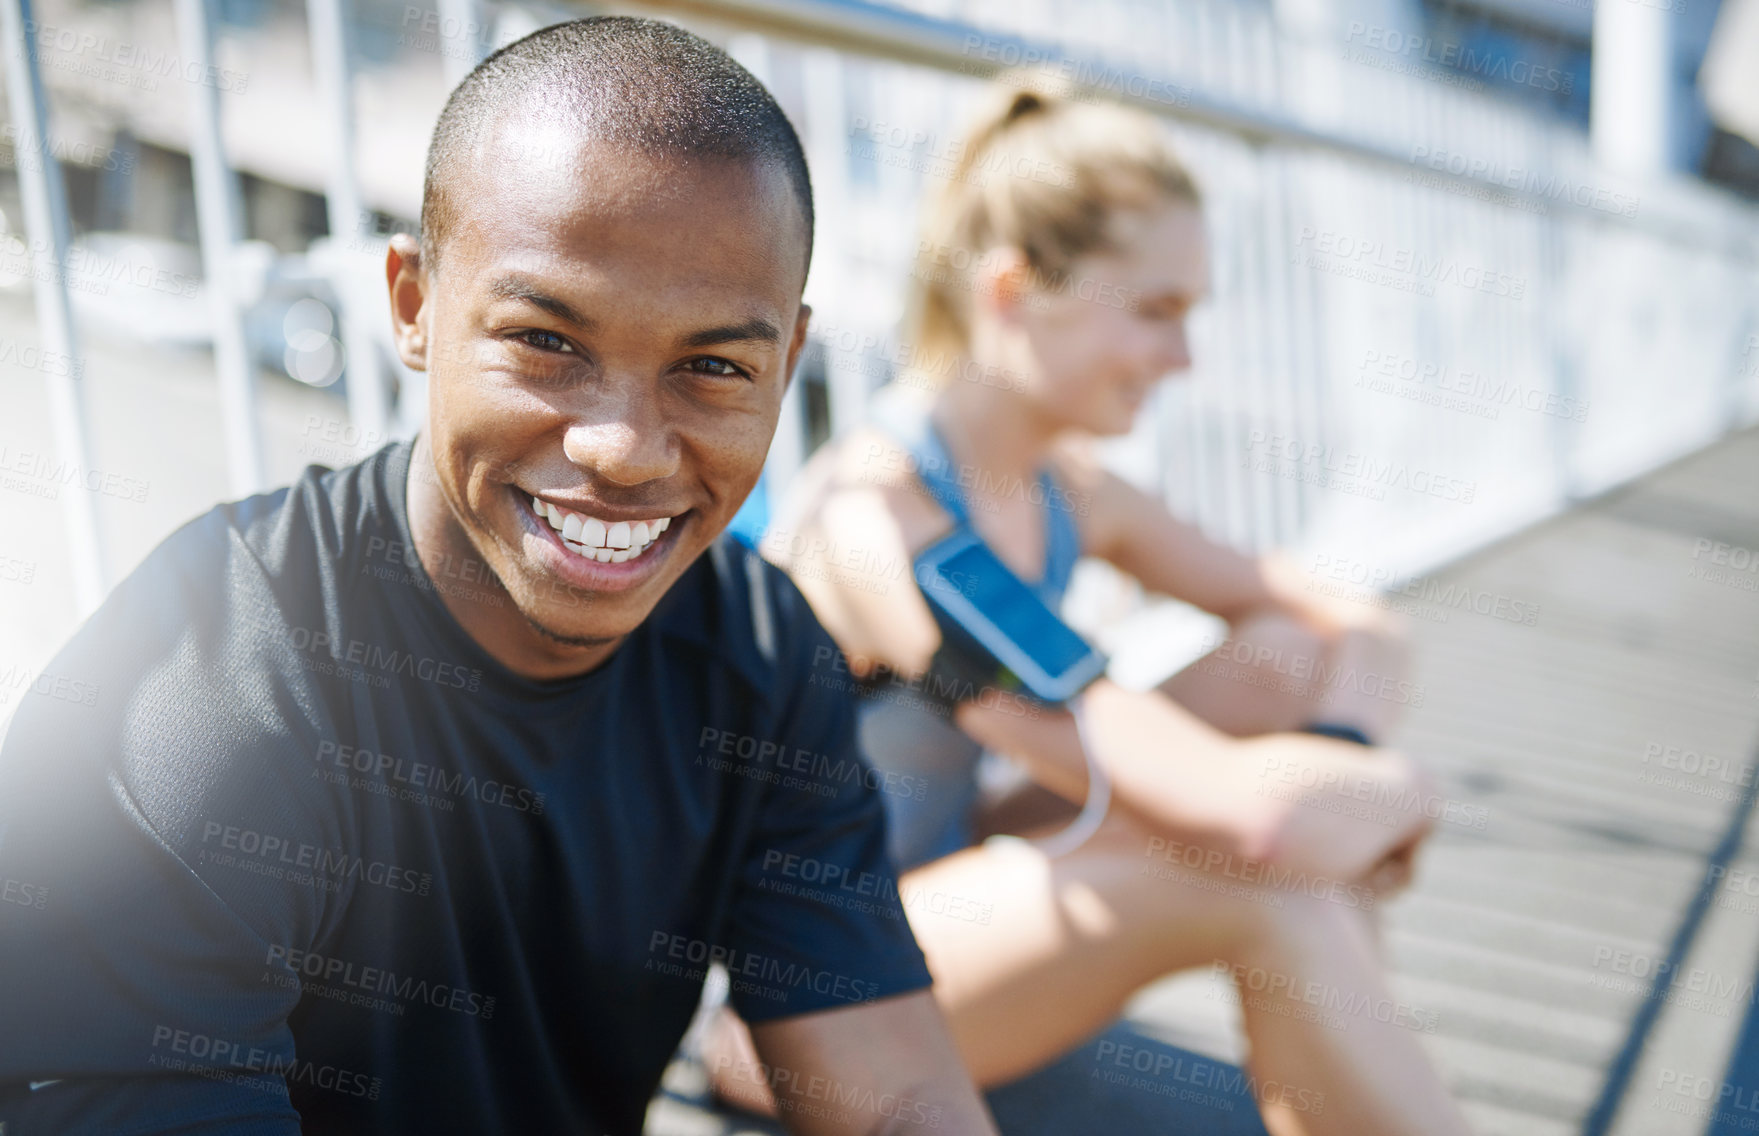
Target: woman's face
[[1098, 344]]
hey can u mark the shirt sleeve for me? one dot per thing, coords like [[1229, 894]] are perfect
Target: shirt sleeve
[[136, 965], [819, 921]]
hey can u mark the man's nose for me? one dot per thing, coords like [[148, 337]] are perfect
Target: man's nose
[[624, 440]]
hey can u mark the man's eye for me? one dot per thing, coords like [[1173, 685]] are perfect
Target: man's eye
[[544, 341], [712, 365]]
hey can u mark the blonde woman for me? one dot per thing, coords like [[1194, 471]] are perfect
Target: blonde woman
[[1056, 273]]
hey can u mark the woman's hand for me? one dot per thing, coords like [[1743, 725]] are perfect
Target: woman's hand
[[1394, 872], [1309, 599], [1307, 803], [1336, 809]]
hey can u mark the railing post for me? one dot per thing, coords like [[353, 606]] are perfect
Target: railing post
[[458, 62], [368, 401], [788, 447], [47, 229], [826, 138], [217, 219], [1631, 87]]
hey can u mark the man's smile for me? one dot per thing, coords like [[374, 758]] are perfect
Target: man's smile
[[609, 541], [613, 551]]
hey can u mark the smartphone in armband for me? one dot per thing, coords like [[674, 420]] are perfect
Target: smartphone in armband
[[997, 621]]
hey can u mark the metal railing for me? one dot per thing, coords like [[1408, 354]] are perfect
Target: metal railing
[[45, 210], [1434, 318]]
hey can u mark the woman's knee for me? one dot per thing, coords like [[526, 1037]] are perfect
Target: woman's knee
[[1268, 677], [1280, 643], [1191, 894], [1311, 918]]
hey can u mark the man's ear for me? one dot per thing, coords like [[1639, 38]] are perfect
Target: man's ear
[[797, 344], [408, 287]]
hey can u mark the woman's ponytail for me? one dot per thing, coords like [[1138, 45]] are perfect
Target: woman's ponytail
[[1041, 171]]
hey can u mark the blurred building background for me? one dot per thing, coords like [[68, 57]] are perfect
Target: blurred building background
[[1443, 250], [1477, 263]]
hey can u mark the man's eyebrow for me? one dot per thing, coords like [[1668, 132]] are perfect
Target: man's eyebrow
[[754, 330], [519, 288]]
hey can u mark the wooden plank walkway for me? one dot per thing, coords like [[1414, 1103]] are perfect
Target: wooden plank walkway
[[1607, 745]]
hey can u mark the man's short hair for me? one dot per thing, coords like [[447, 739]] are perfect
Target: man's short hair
[[641, 83]]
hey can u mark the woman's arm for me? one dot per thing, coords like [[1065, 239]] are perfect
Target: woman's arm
[[846, 535], [1135, 532], [847, 541], [1287, 799]]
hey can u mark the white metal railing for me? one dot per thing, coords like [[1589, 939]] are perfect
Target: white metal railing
[[45, 209], [1435, 318]]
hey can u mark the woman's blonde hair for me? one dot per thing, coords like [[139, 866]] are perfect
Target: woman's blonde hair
[[1042, 173]]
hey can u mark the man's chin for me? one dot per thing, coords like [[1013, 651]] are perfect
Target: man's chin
[[564, 615], [572, 637]]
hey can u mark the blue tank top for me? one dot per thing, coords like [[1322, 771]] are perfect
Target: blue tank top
[[912, 428], [934, 763]]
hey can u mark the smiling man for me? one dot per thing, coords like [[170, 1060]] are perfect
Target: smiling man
[[420, 796]]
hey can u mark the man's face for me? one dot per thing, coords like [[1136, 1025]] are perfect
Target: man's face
[[609, 337]]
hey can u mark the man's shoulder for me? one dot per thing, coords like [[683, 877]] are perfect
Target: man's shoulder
[[217, 606], [315, 514], [192, 688], [746, 612], [324, 511]]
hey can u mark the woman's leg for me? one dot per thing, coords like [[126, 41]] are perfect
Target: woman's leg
[[1068, 941], [1274, 675], [1072, 939]]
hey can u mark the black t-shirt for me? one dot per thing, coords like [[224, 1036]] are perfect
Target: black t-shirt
[[282, 849]]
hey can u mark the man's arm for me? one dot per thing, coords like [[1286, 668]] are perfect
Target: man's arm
[[823, 965], [882, 1067], [134, 987]]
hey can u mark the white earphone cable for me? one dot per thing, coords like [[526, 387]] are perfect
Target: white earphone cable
[[1099, 794]]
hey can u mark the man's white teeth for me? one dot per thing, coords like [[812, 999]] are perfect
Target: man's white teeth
[[594, 539]]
